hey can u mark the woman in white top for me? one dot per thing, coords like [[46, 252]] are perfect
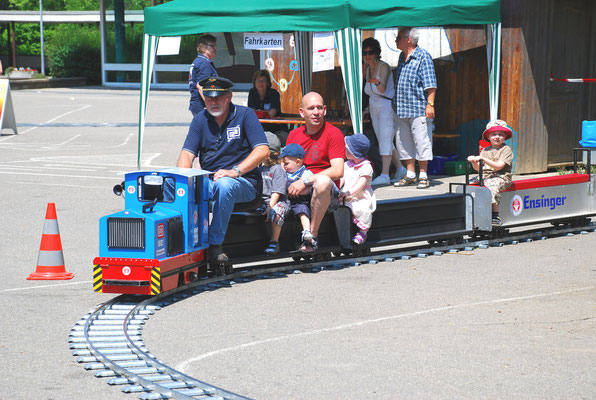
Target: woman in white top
[[380, 87]]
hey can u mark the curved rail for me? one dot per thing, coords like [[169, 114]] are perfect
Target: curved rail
[[109, 341]]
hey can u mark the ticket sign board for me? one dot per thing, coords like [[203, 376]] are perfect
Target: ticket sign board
[[263, 41], [6, 111]]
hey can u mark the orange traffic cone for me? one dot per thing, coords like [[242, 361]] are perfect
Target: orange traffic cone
[[50, 262]]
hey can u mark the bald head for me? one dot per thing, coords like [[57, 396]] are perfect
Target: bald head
[[310, 97], [313, 110]]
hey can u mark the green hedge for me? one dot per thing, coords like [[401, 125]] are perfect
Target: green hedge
[[74, 51]]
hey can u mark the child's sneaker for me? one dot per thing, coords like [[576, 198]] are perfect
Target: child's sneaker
[[307, 235], [497, 221], [359, 238]]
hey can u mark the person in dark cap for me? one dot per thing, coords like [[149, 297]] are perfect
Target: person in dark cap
[[229, 141], [202, 67], [357, 187], [292, 160]]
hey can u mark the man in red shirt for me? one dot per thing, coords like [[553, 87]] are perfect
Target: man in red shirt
[[325, 152]]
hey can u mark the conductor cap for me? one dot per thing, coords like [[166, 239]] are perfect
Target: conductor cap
[[215, 86]]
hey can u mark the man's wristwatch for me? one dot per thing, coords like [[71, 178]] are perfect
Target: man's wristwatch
[[431, 103], [307, 181], [237, 169]]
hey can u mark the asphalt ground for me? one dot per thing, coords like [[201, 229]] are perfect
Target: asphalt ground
[[509, 322]]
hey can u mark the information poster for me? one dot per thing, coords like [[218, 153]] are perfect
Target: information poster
[[323, 58]]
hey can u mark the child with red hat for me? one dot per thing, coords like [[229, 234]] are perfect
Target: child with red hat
[[497, 159]]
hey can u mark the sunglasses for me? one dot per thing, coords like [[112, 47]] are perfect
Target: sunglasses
[[368, 53]]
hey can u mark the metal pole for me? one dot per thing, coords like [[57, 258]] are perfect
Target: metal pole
[[102, 29], [43, 67]]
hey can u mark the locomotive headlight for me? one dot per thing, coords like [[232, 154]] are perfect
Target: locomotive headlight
[[118, 189]]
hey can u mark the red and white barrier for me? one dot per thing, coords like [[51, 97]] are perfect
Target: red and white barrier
[[573, 80]]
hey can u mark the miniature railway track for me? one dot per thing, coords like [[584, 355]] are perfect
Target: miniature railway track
[[109, 340]]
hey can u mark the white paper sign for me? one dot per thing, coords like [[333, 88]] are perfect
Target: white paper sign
[[323, 60], [264, 41], [168, 46], [323, 41]]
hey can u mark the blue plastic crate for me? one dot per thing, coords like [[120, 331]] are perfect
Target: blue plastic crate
[[436, 166], [588, 134]]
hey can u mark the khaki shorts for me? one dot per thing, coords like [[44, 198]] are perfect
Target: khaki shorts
[[413, 139]]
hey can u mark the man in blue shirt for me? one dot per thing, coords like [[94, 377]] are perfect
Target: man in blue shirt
[[202, 67], [229, 141], [414, 103]]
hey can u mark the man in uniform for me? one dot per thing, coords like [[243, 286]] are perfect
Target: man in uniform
[[202, 67], [325, 152], [229, 141]]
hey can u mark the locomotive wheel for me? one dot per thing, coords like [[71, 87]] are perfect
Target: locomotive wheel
[[192, 277], [322, 257], [219, 269], [228, 269]]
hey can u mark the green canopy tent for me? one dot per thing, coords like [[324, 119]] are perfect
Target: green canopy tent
[[346, 18]]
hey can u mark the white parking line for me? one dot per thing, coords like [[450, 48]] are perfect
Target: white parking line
[[56, 145], [51, 120], [123, 143], [59, 184], [183, 365], [57, 175], [44, 286]]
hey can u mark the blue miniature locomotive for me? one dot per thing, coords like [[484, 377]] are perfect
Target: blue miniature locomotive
[[159, 241]]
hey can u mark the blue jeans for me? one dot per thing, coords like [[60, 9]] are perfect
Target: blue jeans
[[225, 193]]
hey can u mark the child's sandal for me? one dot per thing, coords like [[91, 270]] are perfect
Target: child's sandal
[[309, 246], [272, 248], [359, 238]]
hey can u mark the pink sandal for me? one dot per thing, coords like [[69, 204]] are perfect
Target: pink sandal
[[359, 238]]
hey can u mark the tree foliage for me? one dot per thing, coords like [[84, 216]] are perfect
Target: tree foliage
[[74, 51]]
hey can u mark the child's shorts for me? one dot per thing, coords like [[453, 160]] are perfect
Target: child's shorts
[[278, 213], [496, 185], [300, 205]]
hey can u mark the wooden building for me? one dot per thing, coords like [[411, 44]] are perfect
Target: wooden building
[[539, 38]]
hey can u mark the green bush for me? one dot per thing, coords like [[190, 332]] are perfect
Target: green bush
[[74, 50]]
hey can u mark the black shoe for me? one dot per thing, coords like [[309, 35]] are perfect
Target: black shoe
[[216, 255], [496, 221]]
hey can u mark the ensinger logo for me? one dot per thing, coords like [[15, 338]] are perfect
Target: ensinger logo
[[518, 205]]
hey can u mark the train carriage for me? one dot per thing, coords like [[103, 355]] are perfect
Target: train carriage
[[160, 240]]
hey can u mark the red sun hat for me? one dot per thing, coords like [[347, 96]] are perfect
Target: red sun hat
[[497, 126]]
